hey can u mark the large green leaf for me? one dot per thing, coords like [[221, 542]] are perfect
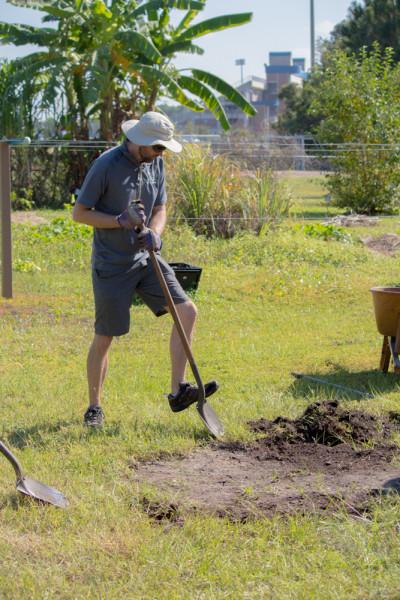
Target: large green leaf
[[35, 4], [215, 24], [100, 9], [154, 75], [209, 98], [225, 89], [157, 4], [28, 67], [59, 13], [187, 47], [51, 6], [133, 40], [25, 34], [94, 109], [187, 19]]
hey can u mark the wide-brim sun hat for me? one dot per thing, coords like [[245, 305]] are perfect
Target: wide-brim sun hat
[[150, 130]]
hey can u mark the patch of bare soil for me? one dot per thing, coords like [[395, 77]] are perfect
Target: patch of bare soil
[[310, 464], [388, 244], [27, 216]]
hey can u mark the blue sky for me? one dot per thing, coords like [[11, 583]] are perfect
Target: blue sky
[[276, 26]]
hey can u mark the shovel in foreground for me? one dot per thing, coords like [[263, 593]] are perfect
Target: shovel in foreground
[[206, 413], [31, 487]]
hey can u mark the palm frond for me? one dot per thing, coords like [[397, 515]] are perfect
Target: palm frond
[[209, 98], [153, 5], [225, 89], [154, 75], [187, 46], [215, 24], [19, 35], [139, 43], [187, 19]]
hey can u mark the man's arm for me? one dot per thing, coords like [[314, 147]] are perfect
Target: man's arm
[[95, 218], [158, 219]]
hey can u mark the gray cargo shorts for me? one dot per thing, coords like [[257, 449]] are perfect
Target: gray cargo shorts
[[114, 292]]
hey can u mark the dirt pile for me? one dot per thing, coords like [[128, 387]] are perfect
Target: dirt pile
[[353, 220], [328, 459], [329, 424], [388, 244]]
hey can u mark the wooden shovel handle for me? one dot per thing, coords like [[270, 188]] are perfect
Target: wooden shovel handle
[[10, 456], [178, 324]]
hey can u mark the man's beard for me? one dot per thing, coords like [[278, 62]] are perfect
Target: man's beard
[[143, 157]]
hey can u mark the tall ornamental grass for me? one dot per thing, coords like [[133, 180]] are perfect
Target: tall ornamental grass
[[216, 198]]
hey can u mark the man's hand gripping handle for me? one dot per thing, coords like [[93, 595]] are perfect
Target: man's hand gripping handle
[[136, 215], [148, 239]]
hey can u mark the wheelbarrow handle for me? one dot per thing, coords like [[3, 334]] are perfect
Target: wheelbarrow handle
[[10, 456]]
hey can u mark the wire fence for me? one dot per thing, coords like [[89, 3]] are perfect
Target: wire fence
[[280, 153], [46, 172]]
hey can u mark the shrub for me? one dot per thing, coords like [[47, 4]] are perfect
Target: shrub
[[22, 201], [62, 228], [216, 198], [327, 232], [46, 177], [359, 98]]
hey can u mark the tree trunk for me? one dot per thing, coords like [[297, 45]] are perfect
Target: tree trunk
[[106, 119], [151, 103]]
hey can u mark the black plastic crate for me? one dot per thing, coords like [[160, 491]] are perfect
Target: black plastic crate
[[187, 275]]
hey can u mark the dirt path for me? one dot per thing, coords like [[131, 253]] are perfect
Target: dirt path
[[27, 216]]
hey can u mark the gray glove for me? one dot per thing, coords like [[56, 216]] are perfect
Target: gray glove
[[149, 240], [132, 217]]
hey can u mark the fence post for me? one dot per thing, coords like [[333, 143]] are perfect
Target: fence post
[[5, 215]]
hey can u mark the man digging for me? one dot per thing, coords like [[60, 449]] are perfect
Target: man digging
[[121, 266]]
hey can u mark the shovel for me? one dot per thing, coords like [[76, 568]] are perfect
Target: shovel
[[31, 487], [207, 415]]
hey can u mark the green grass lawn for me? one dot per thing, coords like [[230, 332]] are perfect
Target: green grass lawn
[[267, 306], [309, 196]]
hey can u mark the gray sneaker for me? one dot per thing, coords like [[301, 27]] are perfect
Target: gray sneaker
[[94, 416]]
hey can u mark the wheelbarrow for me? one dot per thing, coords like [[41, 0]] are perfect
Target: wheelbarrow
[[387, 314]]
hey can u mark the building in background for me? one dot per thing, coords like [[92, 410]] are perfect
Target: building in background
[[281, 71], [262, 93]]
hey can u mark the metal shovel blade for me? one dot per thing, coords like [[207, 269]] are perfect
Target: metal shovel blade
[[40, 491], [31, 487], [210, 419]]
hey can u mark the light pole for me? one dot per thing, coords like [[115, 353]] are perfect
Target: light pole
[[312, 32], [240, 62]]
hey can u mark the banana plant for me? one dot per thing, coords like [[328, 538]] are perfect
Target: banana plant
[[162, 78], [121, 53]]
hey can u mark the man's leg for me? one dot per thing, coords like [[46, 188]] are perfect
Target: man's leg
[[187, 312], [97, 365]]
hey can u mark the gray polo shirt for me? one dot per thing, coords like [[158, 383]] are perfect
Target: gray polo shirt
[[113, 180]]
